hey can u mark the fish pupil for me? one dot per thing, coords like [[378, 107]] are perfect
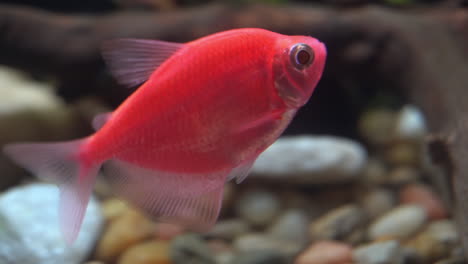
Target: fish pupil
[[303, 57]]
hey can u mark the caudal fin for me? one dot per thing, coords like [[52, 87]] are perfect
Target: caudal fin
[[60, 163]]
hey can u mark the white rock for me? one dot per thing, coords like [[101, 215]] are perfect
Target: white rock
[[291, 225], [260, 242], [387, 252], [311, 159], [400, 222], [30, 111], [410, 123], [29, 228], [258, 207], [378, 201]]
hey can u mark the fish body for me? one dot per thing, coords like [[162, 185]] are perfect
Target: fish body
[[205, 112]]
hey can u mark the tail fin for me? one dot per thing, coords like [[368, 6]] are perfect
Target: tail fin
[[61, 164]]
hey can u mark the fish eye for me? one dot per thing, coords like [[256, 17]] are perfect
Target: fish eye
[[301, 56]]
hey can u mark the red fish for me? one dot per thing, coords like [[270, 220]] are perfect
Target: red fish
[[204, 113]]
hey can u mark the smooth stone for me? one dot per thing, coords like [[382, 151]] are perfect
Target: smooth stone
[[191, 249], [375, 172], [377, 202], [436, 241], [129, 229], [386, 252], [326, 252], [167, 231], [292, 225], [29, 227], [229, 229], [113, 208], [338, 223], [259, 241], [30, 111], [258, 207], [377, 126], [410, 123], [404, 153], [401, 175], [423, 196], [451, 261], [311, 160], [400, 222], [151, 252], [260, 257], [218, 246]]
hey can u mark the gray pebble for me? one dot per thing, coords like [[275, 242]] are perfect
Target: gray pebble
[[311, 160], [259, 207], [400, 222], [229, 229], [258, 241], [403, 175], [190, 249], [436, 241], [375, 172], [261, 257], [292, 225], [387, 252], [378, 201], [377, 126], [338, 223]]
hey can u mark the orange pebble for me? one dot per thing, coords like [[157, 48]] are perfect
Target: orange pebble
[[326, 252], [423, 196]]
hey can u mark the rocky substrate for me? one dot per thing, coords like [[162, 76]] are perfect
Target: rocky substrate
[[310, 199]]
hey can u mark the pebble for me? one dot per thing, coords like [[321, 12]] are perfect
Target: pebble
[[401, 175], [404, 153], [258, 207], [451, 261], [190, 248], [311, 160], [167, 231], [377, 126], [374, 173], [423, 196], [229, 229], [377, 202], [435, 241], [30, 111], [259, 241], [326, 252], [151, 252], [338, 223], [113, 208], [292, 225], [260, 257], [400, 222], [386, 252], [30, 232], [125, 231], [410, 123]]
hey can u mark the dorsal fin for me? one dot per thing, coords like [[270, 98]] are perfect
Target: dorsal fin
[[100, 119], [132, 61]]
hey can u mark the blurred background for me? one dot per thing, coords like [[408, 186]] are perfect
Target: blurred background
[[375, 165]]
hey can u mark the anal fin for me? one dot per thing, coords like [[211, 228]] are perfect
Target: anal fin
[[193, 201]]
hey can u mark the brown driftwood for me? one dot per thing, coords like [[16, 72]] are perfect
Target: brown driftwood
[[420, 52]]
